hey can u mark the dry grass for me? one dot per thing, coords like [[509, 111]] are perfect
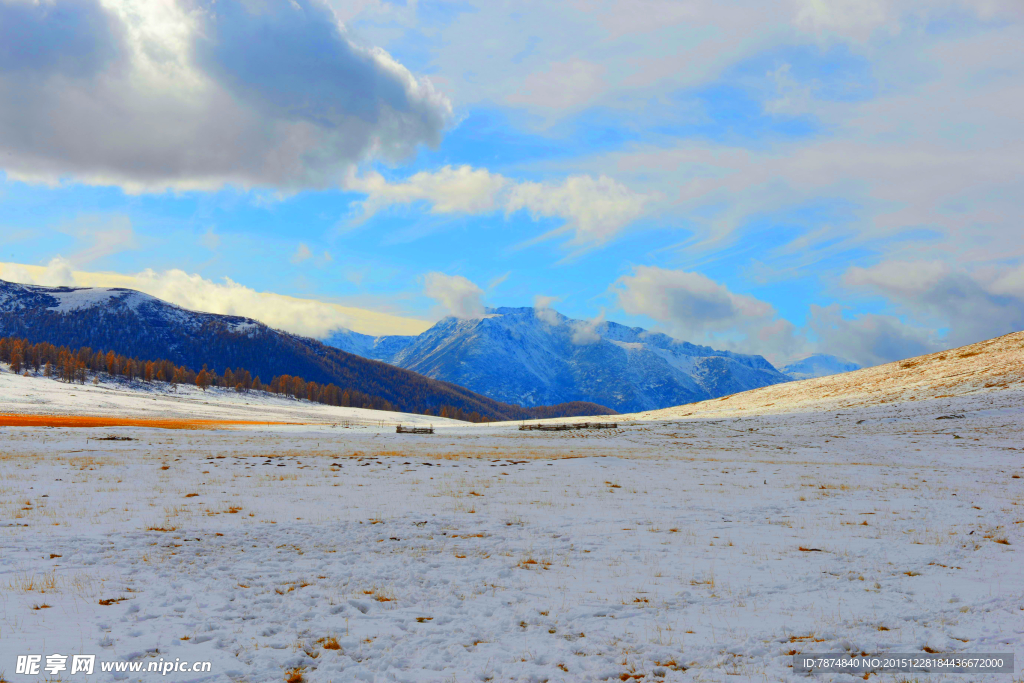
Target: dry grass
[[112, 601], [34, 583], [91, 421], [329, 643]]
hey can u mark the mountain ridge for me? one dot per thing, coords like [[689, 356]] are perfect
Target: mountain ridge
[[531, 356], [136, 324]]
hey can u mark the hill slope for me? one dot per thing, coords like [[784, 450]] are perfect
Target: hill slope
[[143, 326], [520, 355], [996, 365]]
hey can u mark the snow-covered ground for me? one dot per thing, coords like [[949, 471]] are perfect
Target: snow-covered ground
[[672, 549], [159, 400]]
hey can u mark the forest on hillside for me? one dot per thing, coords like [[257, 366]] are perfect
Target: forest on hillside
[[74, 364]]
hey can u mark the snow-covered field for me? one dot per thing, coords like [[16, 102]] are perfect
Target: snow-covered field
[[671, 548]]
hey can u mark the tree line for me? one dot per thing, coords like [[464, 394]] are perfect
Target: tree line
[[75, 365]]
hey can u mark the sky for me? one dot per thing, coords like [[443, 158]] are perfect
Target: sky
[[781, 178]]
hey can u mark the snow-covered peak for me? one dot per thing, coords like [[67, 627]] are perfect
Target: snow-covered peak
[[535, 356], [15, 297], [819, 365]]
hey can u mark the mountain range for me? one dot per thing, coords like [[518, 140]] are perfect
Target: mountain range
[[138, 325], [819, 365], [533, 356]]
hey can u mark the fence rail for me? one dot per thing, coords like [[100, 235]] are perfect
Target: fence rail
[[414, 430], [567, 427]]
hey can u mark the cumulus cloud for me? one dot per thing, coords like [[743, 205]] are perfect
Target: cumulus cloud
[[195, 95], [543, 311], [695, 308], [691, 303], [308, 317], [585, 332], [456, 295], [462, 189], [57, 273], [594, 209], [971, 306], [869, 339]]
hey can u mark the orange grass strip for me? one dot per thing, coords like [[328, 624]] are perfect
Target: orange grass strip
[[88, 421]]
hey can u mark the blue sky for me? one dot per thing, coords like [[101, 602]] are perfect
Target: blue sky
[[776, 178]]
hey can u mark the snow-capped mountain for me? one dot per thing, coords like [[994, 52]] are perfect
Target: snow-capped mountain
[[535, 357], [141, 326], [819, 365], [27, 299]]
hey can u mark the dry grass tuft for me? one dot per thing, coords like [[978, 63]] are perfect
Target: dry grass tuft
[[329, 643], [295, 675], [112, 601], [32, 583]]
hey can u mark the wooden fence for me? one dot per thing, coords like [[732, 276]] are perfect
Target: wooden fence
[[569, 426], [414, 430]]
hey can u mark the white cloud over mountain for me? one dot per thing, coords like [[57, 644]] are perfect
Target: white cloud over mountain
[[308, 317], [455, 294]]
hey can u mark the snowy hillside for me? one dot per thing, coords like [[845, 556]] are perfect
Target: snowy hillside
[[819, 365], [515, 355]]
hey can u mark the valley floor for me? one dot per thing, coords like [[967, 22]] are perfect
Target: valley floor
[[673, 549]]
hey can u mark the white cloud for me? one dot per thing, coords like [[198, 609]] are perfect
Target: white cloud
[[166, 95], [461, 189], [498, 281], [594, 209], [210, 240], [57, 273], [456, 295], [869, 339], [307, 317], [971, 306], [105, 234], [584, 332], [691, 303], [302, 253], [695, 308], [543, 311], [859, 19], [561, 85]]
